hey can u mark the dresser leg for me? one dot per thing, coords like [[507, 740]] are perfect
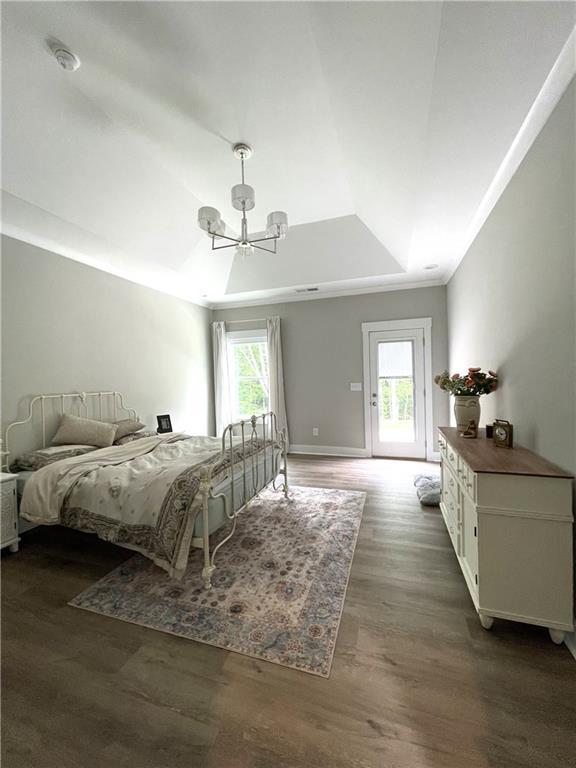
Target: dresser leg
[[557, 636], [13, 547], [486, 621]]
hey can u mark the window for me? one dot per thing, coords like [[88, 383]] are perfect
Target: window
[[249, 379], [396, 390]]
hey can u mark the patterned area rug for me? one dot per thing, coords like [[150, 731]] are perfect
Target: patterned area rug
[[278, 589]]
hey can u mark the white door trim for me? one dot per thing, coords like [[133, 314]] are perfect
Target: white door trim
[[425, 323], [412, 449]]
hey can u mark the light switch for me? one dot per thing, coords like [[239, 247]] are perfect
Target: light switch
[[355, 386]]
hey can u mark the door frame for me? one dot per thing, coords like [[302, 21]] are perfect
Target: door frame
[[424, 324], [390, 448]]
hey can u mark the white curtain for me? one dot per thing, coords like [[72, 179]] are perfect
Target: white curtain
[[277, 400], [222, 398]]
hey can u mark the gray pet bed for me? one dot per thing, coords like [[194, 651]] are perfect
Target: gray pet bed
[[428, 489]]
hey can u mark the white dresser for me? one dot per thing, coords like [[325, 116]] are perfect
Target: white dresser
[[8, 512], [509, 516]]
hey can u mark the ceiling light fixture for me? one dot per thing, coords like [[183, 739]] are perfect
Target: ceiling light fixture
[[210, 220]]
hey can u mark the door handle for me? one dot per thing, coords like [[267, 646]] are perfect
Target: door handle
[[374, 402]]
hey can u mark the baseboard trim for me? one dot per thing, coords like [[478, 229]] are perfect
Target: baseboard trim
[[345, 451], [570, 641], [331, 450]]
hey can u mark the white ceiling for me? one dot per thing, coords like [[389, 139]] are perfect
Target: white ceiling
[[379, 127]]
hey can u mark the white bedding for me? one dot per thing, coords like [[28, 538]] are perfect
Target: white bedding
[[142, 495]]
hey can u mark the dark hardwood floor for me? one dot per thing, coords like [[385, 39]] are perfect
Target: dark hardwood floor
[[416, 682]]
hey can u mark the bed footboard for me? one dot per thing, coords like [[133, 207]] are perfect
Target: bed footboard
[[254, 452]]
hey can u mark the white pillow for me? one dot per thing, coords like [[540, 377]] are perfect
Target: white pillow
[[128, 427], [74, 430], [135, 436]]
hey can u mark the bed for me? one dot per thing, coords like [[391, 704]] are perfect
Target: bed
[[159, 495]]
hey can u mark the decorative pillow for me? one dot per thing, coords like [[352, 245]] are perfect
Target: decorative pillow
[[127, 427], [74, 430], [135, 436], [33, 460]]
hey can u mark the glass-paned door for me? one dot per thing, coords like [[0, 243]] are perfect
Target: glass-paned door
[[397, 403]]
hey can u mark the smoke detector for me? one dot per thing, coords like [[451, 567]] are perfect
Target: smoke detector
[[67, 60]]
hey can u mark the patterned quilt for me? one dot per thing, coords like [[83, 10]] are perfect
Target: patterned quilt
[[143, 495]]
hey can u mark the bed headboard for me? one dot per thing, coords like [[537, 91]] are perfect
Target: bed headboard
[[45, 411]]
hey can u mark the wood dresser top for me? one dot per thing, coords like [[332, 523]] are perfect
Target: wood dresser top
[[482, 455]]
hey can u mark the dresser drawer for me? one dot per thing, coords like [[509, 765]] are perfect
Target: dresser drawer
[[449, 482], [452, 458], [449, 505], [467, 479], [442, 445], [451, 520]]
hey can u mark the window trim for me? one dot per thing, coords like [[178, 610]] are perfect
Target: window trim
[[246, 337]]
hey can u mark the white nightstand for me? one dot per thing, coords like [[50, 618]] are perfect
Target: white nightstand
[[8, 512]]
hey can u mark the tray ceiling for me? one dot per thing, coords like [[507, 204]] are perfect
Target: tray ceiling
[[379, 127]]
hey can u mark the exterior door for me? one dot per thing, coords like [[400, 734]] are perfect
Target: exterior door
[[397, 402]]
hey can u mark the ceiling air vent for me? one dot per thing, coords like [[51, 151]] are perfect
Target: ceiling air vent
[[306, 290]]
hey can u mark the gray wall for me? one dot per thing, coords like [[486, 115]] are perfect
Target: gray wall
[[511, 303], [322, 350], [68, 327]]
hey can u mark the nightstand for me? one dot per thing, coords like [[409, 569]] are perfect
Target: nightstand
[[8, 512]]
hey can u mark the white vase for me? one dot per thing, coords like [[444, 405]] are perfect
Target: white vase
[[466, 408]]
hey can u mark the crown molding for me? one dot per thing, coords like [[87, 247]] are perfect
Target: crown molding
[[554, 87], [289, 298]]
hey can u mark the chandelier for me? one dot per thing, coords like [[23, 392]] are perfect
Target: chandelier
[[210, 220]]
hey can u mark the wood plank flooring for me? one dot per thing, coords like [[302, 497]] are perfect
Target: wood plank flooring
[[416, 682]]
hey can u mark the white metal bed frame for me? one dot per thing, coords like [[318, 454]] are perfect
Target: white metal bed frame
[[238, 436], [272, 439], [108, 403]]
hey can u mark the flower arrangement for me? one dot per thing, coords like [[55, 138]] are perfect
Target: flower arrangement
[[475, 382]]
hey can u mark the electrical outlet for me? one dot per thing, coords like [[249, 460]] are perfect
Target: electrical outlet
[[315, 431]]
